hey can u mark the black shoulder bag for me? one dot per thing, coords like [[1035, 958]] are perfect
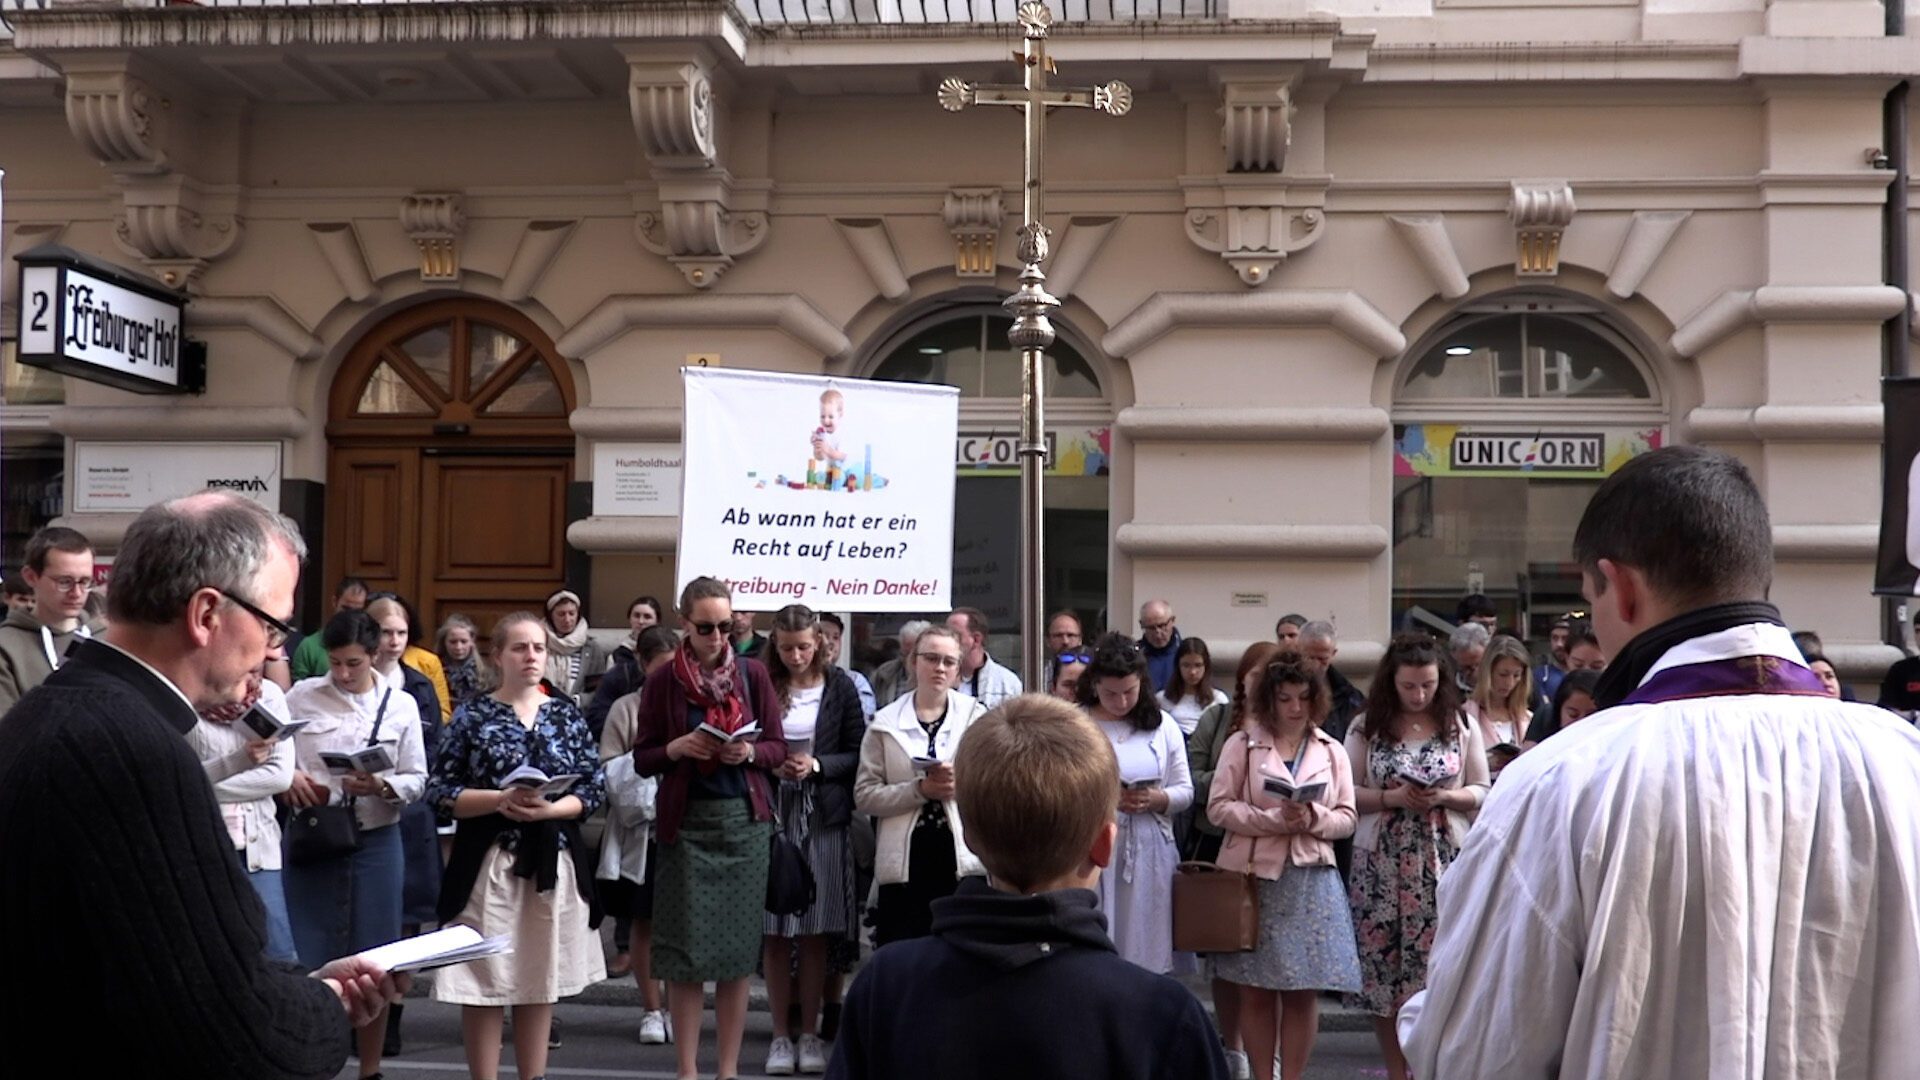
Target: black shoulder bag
[[317, 834]]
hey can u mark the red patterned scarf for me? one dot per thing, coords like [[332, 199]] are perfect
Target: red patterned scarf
[[717, 690]]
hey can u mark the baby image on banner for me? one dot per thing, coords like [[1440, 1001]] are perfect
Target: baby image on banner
[[834, 493]]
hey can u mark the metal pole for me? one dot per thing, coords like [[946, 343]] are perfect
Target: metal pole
[[1899, 329], [1032, 333]]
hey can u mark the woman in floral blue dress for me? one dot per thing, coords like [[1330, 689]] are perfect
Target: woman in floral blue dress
[[519, 865], [1419, 773]]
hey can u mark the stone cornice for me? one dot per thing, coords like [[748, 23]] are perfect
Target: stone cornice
[[1737, 309], [614, 422], [261, 314], [181, 421], [1328, 424], [1826, 543], [1338, 309], [606, 535], [1189, 541], [788, 313]]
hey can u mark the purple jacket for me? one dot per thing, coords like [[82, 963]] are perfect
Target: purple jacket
[[663, 718]]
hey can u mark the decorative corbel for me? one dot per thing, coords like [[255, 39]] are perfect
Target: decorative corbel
[[1251, 215], [706, 219], [434, 221], [166, 220], [1540, 213], [973, 216], [1254, 223]]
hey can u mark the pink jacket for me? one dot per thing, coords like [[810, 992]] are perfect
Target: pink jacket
[[1251, 817]]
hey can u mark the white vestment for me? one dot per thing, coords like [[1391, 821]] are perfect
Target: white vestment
[[1720, 887]]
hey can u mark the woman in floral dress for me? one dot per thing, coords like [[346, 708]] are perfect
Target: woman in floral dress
[[1420, 772]]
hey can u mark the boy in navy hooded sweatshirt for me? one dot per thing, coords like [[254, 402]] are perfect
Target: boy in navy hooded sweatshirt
[[1019, 977]]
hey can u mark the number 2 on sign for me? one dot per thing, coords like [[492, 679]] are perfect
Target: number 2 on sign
[[39, 323]]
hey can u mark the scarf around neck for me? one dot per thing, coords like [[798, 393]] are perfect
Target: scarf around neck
[[1629, 669], [560, 649], [717, 691]]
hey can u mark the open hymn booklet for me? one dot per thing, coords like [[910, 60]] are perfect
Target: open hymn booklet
[[441, 948], [751, 731], [529, 776], [1283, 788]]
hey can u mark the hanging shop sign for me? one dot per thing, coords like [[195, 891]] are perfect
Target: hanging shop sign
[[127, 477], [95, 321], [1564, 453]]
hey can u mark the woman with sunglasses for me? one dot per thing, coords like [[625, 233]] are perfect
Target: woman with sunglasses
[[906, 782], [344, 903], [713, 819], [1136, 892], [1068, 667]]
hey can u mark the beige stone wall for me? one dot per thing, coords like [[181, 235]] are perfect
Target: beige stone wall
[[1253, 449]]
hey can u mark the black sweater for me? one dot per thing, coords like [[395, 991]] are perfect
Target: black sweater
[[124, 905], [1019, 986]]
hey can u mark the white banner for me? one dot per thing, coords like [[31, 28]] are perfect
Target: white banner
[[834, 493]]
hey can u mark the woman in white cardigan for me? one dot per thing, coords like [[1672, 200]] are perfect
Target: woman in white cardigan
[[1136, 892], [246, 772], [906, 782]]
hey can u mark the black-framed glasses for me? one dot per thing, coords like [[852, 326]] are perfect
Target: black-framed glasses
[[708, 629], [1155, 627], [277, 631]]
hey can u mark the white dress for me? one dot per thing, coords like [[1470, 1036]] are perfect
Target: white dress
[[1723, 888], [1136, 892]]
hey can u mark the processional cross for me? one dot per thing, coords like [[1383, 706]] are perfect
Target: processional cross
[[1029, 305]]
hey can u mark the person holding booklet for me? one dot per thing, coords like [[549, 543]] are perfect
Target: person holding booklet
[[1137, 892], [518, 771], [361, 748], [906, 782], [1283, 793], [709, 728], [1420, 772], [824, 725]]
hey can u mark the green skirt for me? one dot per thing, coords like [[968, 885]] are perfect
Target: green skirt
[[710, 898]]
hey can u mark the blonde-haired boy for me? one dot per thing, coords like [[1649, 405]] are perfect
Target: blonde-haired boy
[[1019, 977]]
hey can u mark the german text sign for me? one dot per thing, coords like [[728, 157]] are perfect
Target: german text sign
[[834, 493]]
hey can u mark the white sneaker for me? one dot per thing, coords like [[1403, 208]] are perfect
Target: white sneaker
[[813, 1055], [780, 1057], [1238, 1067], [653, 1028]]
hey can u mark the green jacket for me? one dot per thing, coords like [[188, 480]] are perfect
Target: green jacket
[[310, 658], [1211, 733]]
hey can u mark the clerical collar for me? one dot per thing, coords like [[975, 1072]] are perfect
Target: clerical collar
[[1752, 639]]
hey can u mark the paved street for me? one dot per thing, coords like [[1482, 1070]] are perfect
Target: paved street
[[599, 1042]]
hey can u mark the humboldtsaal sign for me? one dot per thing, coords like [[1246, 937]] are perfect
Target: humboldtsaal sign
[[95, 321]]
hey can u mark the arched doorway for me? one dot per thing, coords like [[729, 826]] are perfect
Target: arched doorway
[[962, 341], [1507, 416], [450, 458]]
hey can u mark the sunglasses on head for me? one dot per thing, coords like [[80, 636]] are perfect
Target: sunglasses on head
[[1073, 658]]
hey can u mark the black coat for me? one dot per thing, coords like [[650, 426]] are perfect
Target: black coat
[[836, 742], [125, 902], [624, 676]]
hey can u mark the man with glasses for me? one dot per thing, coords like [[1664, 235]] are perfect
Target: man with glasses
[[34, 641], [121, 862], [1064, 633], [1160, 640]]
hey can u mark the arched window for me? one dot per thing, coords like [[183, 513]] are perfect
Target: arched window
[[962, 341], [1507, 416]]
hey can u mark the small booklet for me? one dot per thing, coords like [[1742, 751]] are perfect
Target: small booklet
[[1282, 788], [367, 759], [925, 764], [751, 731], [1147, 784], [1421, 781], [527, 776], [268, 726], [441, 948]]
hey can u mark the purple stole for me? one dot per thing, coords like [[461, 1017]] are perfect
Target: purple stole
[[1728, 678]]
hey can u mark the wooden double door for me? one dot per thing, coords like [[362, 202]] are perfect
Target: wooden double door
[[478, 533], [449, 463]]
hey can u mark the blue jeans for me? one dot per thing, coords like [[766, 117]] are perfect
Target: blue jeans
[[279, 930], [349, 904]]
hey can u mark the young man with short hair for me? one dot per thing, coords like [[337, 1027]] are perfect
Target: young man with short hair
[[1718, 873], [34, 640], [19, 593], [309, 656], [1019, 977]]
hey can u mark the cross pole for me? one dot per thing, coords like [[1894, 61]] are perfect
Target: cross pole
[[1030, 304]]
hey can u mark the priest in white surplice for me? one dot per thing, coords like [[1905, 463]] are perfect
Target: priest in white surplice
[[1717, 876]]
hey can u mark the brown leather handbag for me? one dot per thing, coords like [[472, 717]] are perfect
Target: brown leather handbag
[[1216, 910]]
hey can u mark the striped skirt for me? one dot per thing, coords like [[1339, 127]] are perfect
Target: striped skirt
[[711, 894], [830, 857]]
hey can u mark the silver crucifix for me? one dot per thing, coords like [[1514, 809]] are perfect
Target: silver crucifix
[[1029, 305]]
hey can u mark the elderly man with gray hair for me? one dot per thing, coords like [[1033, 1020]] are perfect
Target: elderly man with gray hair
[[1467, 644], [123, 895], [1318, 644], [893, 680]]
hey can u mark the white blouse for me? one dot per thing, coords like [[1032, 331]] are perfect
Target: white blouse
[[1186, 712], [803, 714], [246, 790], [340, 721]]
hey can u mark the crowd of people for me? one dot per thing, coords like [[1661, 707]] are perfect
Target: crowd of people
[[770, 812]]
